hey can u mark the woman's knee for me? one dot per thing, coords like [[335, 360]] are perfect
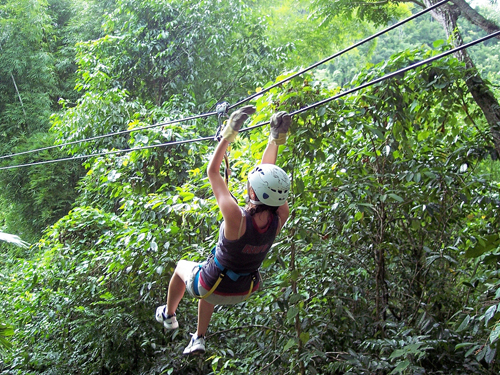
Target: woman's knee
[[184, 269]]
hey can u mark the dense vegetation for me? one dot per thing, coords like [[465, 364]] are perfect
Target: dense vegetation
[[388, 263]]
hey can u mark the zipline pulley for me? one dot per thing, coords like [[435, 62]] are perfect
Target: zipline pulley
[[221, 110]]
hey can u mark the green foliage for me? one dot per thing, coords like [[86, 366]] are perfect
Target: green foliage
[[156, 49], [6, 331], [35, 71], [414, 34], [367, 276], [485, 55], [26, 64], [379, 13], [72, 22], [313, 38], [42, 194]]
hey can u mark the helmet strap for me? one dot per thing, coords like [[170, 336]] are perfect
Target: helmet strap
[[249, 199], [257, 203]]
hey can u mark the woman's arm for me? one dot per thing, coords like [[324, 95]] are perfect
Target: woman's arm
[[270, 154], [280, 123], [283, 212], [229, 208]]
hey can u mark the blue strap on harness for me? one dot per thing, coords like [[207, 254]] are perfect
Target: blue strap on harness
[[231, 274], [195, 282]]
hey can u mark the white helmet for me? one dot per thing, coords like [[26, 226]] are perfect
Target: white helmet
[[270, 183]]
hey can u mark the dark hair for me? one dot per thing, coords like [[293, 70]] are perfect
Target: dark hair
[[253, 209]]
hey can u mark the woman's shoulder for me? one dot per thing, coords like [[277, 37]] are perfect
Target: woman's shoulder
[[234, 225], [282, 212]]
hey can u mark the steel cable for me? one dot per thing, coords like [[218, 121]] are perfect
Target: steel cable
[[307, 108], [208, 114]]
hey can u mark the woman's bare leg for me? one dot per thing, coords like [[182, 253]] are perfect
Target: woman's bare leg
[[205, 310], [177, 285]]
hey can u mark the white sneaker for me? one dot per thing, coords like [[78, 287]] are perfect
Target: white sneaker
[[196, 346], [169, 322]]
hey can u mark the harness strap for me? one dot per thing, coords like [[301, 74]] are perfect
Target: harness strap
[[221, 276], [241, 223], [232, 275], [251, 287]]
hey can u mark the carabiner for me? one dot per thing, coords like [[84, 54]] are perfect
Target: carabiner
[[221, 110]]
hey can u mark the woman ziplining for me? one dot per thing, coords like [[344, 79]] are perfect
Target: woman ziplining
[[231, 272]]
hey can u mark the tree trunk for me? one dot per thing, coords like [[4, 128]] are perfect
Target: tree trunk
[[447, 15], [295, 288], [476, 18]]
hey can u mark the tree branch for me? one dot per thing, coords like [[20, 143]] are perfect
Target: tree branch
[[270, 363], [18, 94], [246, 327], [476, 18], [17, 90]]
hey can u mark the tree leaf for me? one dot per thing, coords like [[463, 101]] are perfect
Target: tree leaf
[[483, 245], [438, 43], [397, 353], [489, 356], [292, 312], [489, 314], [304, 337], [464, 324], [153, 246], [464, 345], [495, 333], [299, 183], [401, 367], [289, 344], [396, 197], [295, 298]]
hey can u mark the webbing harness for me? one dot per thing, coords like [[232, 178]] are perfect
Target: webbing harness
[[231, 274]]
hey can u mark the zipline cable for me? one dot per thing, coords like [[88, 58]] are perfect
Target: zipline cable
[[307, 108], [204, 115], [208, 114], [185, 32], [386, 77], [79, 157], [396, 25]]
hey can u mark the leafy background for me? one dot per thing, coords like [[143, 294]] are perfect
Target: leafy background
[[388, 263]]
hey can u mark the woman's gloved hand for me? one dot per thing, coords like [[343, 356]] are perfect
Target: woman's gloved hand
[[235, 122], [280, 123]]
